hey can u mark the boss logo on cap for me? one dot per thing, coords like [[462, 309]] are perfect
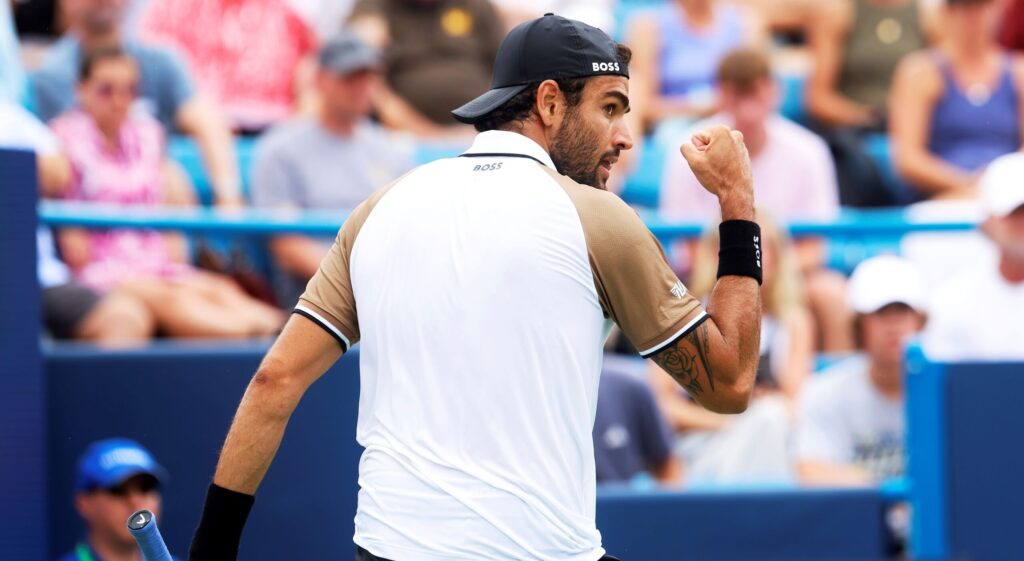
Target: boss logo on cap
[[606, 67]]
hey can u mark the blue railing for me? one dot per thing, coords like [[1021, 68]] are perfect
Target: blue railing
[[850, 224]]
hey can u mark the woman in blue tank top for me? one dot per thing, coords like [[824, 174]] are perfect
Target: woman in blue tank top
[[676, 50], [957, 108]]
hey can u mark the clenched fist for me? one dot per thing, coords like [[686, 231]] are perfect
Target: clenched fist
[[720, 161]]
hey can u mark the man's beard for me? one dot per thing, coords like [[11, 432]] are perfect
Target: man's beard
[[572, 152]]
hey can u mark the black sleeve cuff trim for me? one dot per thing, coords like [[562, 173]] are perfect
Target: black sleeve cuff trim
[[676, 339], [328, 329]]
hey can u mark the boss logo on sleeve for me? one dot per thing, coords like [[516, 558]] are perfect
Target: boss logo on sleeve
[[757, 250], [678, 290], [606, 67]]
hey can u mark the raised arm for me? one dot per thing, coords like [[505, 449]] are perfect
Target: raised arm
[[717, 361]]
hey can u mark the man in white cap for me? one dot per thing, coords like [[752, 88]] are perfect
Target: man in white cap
[[977, 312], [851, 426]]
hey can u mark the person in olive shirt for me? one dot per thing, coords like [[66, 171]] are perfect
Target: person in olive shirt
[[438, 55]]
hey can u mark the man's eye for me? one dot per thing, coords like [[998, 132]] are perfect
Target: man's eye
[[609, 109]]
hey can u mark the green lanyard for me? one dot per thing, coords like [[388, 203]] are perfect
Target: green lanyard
[[83, 553]]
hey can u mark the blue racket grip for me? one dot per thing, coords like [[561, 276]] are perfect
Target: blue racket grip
[[142, 525]]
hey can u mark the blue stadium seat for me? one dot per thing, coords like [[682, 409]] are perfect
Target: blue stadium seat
[[792, 106], [879, 149], [184, 150]]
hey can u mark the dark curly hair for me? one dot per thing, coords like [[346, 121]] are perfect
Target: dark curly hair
[[517, 109]]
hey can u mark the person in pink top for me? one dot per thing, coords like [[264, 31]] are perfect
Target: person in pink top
[[794, 179], [255, 57], [117, 157]]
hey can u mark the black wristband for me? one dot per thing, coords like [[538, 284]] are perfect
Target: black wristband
[[739, 252], [220, 527]]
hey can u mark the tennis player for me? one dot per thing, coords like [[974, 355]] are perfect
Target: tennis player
[[482, 288]]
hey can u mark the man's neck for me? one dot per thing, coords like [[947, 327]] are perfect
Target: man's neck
[[699, 12], [91, 41], [1011, 268], [756, 138], [887, 379], [532, 131], [344, 128], [111, 550]]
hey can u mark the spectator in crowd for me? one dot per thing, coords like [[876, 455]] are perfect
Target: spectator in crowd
[[71, 310], [253, 57], [116, 477], [325, 17], [786, 18], [438, 55], [165, 89], [12, 75], [976, 314], [794, 179], [597, 13], [755, 445], [117, 158], [331, 162], [676, 49], [630, 436], [856, 45], [851, 423], [1012, 34], [958, 107]]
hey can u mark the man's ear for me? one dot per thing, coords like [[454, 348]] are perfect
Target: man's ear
[[84, 506], [550, 103]]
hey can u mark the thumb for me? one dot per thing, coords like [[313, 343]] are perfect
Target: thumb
[[691, 153]]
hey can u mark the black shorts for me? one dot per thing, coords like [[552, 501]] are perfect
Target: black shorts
[[363, 555], [65, 306]]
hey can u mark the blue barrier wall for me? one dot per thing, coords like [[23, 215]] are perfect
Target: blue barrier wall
[[986, 460], [179, 403], [22, 420]]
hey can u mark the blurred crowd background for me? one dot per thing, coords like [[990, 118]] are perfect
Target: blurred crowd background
[[314, 104]]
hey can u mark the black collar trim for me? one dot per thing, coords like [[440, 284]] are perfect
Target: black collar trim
[[500, 155]]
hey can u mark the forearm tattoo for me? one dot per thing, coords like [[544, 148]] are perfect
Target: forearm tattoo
[[687, 359]]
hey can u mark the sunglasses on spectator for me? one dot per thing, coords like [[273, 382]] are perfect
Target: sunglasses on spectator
[[109, 90], [144, 486]]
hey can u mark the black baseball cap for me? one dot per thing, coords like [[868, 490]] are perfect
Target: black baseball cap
[[547, 48]]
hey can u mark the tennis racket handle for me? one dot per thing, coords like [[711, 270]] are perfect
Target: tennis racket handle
[[142, 525]]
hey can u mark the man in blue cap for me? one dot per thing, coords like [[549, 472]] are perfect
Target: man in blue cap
[[116, 477]]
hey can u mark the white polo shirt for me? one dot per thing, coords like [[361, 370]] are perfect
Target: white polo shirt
[[481, 288]]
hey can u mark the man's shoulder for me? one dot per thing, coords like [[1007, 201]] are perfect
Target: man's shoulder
[[286, 136], [60, 61], [795, 137], [837, 382], [148, 54], [958, 290], [595, 204]]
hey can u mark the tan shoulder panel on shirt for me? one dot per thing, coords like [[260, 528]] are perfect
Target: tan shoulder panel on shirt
[[634, 281], [328, 299]]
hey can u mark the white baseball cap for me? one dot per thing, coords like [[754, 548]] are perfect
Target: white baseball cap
[[883, 280], [1002, 185]]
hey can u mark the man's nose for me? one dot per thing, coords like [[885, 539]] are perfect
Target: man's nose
[[621, 139]]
